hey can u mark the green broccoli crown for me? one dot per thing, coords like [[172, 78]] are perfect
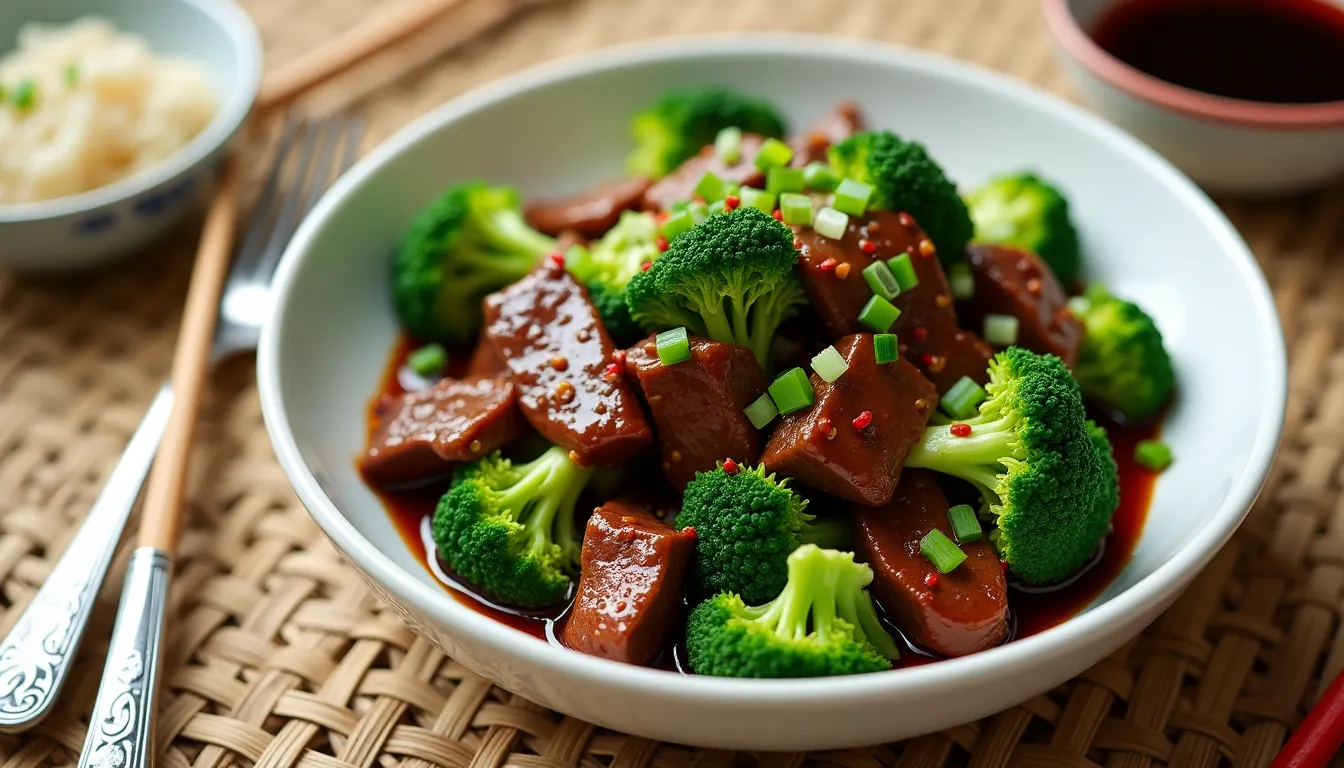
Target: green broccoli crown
[[730, 279], [1109, 501], [508, 529], [1032, 457], [606, 269], [1025, 211], [1122, 361], [682, 121], [823, 623], [905, 178], [471, 241]]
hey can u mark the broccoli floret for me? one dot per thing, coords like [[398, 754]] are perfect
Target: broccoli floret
[[905, 178], [508, 529], [746, 524], [606, 269], [730, 278], [1108, 502], [823, 623], [682, 121], [1121, 362], [1032, 457], [471, 241], [1025, 211]]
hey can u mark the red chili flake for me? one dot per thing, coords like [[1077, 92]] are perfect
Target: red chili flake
[[730, 466], [662, 216], [905, 220], [612, 370], [842, 270], [778, 214], [730, 202], [689, 531], [660, 243], [646, 266], [926, 248], [824, 425], [960, 429], [867, 246], [797, 244], [862, 420], [1034, 287], [618, 357], [931, 580], [558, 259], [920, 333], [926, 359], [827, 265], [924, 598]]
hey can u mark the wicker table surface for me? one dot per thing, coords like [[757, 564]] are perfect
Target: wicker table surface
[[279, 657]]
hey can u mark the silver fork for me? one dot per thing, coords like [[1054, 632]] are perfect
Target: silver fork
[[39, 651]]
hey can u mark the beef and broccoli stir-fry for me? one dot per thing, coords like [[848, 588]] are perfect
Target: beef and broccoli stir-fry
[[778, 396]]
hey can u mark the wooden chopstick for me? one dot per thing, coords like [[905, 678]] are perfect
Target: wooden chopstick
[[290, 81]]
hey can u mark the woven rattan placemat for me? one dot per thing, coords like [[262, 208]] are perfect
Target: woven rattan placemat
[[279, 657]]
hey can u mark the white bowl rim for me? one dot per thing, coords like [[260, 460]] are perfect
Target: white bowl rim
[[234, 108], [461, 621]]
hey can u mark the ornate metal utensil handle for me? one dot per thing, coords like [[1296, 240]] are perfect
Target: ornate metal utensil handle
[[40, 649]]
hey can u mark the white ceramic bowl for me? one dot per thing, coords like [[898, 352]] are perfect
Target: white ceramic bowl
[[1227, 145], [114, 220], [1148, 232]]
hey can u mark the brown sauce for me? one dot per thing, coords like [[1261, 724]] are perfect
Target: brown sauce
[[1279, 51], [1031, 611]]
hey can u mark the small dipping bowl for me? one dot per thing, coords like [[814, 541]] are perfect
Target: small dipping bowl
[[68, 233], [1228, 146]]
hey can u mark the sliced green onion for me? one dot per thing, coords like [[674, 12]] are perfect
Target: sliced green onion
[[759, 199], [428, 360], [965, 525], [961, 280], [941, 551], [792, 391], [880, 279], [72, 74], [830, 223], [772, 154], [1153, 454], [879, 314], [820, 177], [710, 187], [24, 95], [885, 348], [677, 223], [673, 346], [1001, 330], [904, 270], [762, 411], [781, 180], [797, 209], [829, 364], [963, 399], [852, 197], [698, 213], [728, 145]]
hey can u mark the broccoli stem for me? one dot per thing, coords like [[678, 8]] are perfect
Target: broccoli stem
[[827, 533], [508, 230], [857, 609], [547, 486], [979, 459]]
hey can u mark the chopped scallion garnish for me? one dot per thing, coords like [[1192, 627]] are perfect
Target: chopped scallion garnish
[[24, 95], [772, 154], [829, 365], [797, 209], [904, 269], [879, 314], [781, 180], [759, 199], [963, 399], [965, 525], [880, 279], [709, 188], [961, 280], [71, 74], [1001, 330], [673, 346], [830, 223], [1154, 455], [819, 177], [792, 391], [941, 551], [762, 411], [852, 197], [728, 145], [428, 360], [885, 348], [677, 223]]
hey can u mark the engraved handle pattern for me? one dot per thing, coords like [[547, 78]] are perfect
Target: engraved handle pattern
[[121, 728], [38, 652]]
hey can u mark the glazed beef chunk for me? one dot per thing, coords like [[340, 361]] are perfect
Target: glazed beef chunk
[[556, 349], [421, 435], [822, 446], [632, 583], [835, 126], [697, 405], [680, 184], [588, 214], [1009, 281], [963, 611], [927, 328]]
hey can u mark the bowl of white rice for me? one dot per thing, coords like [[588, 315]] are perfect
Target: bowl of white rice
[[114, 116]]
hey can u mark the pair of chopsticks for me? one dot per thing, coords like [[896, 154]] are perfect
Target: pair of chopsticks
[[1320, 735]]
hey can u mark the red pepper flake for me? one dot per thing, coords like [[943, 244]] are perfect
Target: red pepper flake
[[778, 214], [867, 246], [730, 202], [824, 425], [612, 371], [926, 248], [828, 265], [730, 466], [661, 244], [931, 580], [924, 598], [926, 359], [557, 259], [920, 333], [1034, 287], [842, 270], [646, 266], [689, 531], [960, 429], [662, 216], [797, 243], [863, 420], [905, 220]]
